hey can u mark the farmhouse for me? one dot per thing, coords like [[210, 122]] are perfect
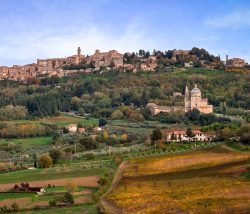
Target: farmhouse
[[155, 109], [25, 187], [72, 128], [180, 135]]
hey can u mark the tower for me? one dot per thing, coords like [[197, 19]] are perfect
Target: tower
[[226, 59], [79, 51], [187, 99]]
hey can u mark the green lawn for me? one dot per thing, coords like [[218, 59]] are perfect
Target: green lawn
[[76, 209], [47, 174], [28, 142], [7, 195]]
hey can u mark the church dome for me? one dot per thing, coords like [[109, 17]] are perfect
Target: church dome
[[195, 91]]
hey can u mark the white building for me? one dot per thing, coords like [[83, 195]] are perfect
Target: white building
[[72, 128], [180, 135]]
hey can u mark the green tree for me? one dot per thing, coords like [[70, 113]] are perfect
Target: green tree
[[156, 135], [55, 155], [173, 137], [102, 122], [68, 198], [189, 132], [144, 99], [223, 107], [193, 115], [244, 134]]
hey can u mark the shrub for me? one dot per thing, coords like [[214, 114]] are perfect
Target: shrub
[[15, 207], [68, 198], [118, 159], [103, 181], [70, 187], [52, 203], [45, 161], [90, 156]]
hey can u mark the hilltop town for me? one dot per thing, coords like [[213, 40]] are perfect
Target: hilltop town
[[113, 60]]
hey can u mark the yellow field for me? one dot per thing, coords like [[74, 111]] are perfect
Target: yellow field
[[195, 182]]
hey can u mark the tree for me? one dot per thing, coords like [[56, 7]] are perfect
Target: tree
[[156, 134], [173, 137], [144, 99], [223, 107], [55, 155], [102, 122], [244, 133], [45, 161], [193, 115], [105, 135], [135, 117], [111, 141], [189, 132], [226, 133], [88, 143], [15, 207], [117, 115], [68, 198], [124, 138], [70, 187]]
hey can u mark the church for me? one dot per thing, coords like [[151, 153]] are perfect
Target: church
[[193, 100]]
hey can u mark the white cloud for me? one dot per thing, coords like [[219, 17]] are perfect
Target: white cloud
[[26, 47], [232, 20]]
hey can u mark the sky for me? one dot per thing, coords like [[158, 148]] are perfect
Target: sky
[[31, 29]]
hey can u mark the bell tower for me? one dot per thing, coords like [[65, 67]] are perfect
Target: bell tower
[[78, 51], [187, 99]]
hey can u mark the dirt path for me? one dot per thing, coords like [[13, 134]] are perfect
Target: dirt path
[[108, 206], [83, 181]]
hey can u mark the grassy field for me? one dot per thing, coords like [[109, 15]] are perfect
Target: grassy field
[[65, 120], [48, 174], [205, 181], [28, 142], [4, 196], [26, 201], [85, 181], [61, 120]]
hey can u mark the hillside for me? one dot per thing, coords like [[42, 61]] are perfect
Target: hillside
[[205, 181]]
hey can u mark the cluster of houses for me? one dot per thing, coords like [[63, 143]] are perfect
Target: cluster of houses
[[111, 59], [55, 66], [74, 128]]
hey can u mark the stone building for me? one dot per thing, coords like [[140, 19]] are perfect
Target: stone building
[[193, 100], [111, 58], [155, 109], [47, 65], [235, 62], [4, 72], [76, 59]]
